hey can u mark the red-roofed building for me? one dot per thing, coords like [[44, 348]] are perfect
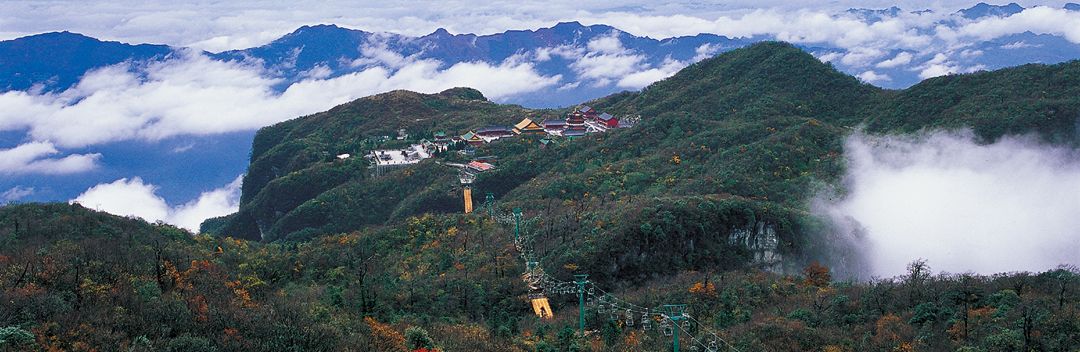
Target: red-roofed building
[[608, 120], [479, 166]]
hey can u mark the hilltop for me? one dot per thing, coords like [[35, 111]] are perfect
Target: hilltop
[[294, 174]]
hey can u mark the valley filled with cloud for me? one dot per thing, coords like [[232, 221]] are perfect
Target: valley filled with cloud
[[961, 205]]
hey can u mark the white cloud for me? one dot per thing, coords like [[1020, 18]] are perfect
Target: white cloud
[[317, 72], [127, 198], [1039, 20], [1006, 206], [196, 95], [935, 70], [16, 193], [873, 77], [183, 148], [33, 158], [218, 202], [641, 79], [706, 51], [901, 59], [606, 60], [969, 53], [860, 57], [133, 197], [1020, 45], [377, 52], [794, 25], [828, 56], [609, 44], [569, 86]]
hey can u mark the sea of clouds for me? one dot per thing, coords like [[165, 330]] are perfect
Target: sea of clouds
[[1012, 205]]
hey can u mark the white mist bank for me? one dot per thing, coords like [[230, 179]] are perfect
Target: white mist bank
[[1013, 205], [133, 197]]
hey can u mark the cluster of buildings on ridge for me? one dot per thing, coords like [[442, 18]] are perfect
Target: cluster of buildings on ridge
[[582, 121]]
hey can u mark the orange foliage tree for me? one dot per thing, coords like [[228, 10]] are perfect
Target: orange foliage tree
[[817, 275], [384, 337]]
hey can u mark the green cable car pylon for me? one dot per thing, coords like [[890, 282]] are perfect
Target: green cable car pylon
[[675, 313], [581, 280], [489, 203], [517, 224]]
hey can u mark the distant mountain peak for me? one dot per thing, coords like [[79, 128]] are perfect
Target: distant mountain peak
[[570, 24], [874, 15], [983, 9], [319, 26], [51, 36], [319, 29], [440, 32], [1072, 6], [57, 60]]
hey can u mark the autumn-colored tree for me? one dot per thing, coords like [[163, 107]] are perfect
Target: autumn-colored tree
[[703, 288], [816, 274], [384, 337], [893, 334]]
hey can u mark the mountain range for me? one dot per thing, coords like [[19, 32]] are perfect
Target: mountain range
[[577, 63], [53, 62]]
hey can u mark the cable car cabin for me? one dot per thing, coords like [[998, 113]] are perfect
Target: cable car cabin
[[468, 199], [541, 307]]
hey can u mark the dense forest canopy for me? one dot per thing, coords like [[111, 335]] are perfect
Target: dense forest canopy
[[75, 279]]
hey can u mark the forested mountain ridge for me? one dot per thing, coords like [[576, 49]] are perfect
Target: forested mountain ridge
[[294, 172], [763, 124]]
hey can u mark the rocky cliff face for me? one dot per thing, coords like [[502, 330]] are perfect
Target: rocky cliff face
[[762, 241]]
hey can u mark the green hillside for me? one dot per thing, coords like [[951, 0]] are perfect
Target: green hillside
[[294, 171], [72, 279], [745, 138]]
